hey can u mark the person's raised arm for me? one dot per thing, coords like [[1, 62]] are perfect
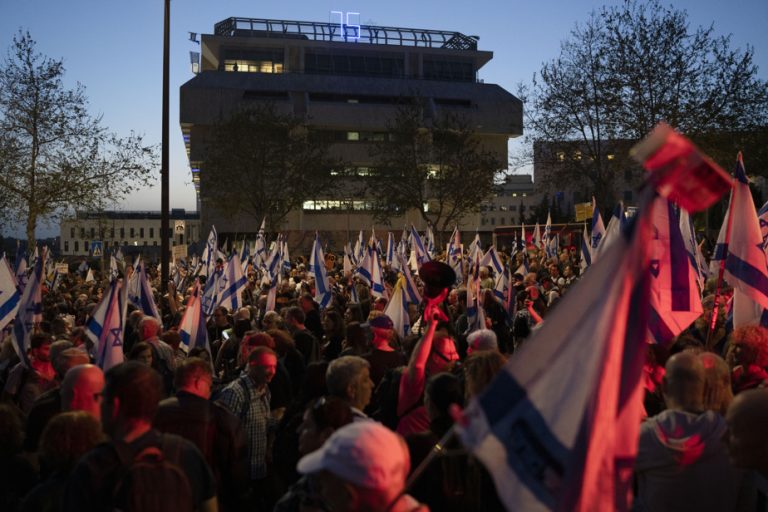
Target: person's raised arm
[[432, 315]]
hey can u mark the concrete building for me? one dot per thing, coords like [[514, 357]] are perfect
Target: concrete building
[[511, 205], [135, 232], [344, 80]]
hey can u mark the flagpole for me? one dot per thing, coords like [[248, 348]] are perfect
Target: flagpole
[[721, 272], [165, 247]]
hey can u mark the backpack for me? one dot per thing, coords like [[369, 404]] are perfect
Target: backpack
[[152, 480], [387, 394], [161, 366]]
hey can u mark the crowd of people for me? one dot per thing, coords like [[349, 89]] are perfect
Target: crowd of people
[[301, 409]]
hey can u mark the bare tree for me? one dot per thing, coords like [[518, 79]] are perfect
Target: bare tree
[[623, 70], [56, 156], [440, 170]]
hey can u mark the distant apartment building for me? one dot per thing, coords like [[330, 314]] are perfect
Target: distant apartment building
[[134, 231], [514, 201], [346, 81]]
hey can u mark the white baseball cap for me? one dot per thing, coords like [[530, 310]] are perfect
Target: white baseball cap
[[364, 453]]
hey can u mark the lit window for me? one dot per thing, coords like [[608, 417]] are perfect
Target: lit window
[[514, 194], [355, 136], [577, 155], [611, 156], [561, 156]]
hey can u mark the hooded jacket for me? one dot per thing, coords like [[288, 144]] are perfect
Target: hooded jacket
[[682, 464]]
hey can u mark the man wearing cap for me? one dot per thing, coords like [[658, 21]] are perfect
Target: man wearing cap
[[382, 356], [362, 466]]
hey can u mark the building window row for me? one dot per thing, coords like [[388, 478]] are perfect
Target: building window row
[[343, 205]]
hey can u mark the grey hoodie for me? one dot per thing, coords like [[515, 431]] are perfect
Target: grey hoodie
[[682, 464]]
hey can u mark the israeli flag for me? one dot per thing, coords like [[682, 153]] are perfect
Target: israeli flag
[[397, 310], [422, 256], [210, 292], [674, 295], [114, 272], [323, 293], [412, 294], [21, 271], [107, 325], [745, 262], [475, 311], [377, 277], [454, 255], [558, 427], [192, 327], [29, 313], [612, 231], [391, 249], [598, 230], [231, 285], [210, 253], [140, 292], [430, 242], [492, 259], [9, 294], [693, 249], [475, 246], [245, 255], [586, 250]]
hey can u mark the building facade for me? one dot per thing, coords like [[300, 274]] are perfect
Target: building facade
[[346, 81], [134, 232]]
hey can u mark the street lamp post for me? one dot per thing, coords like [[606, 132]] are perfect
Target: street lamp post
[[164, 168]]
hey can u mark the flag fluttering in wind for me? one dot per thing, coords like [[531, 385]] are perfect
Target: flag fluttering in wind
[[231, 285], [548, 428], [9, 294], [745, 262], [323, 293], [29, 313], [397, 309], [106, 326], [422, 256], [210, 253], [492, 259], [192, 327], [454, 256], [140, 292], [674, 296], [611, 234], [598, 230], [586, 250]]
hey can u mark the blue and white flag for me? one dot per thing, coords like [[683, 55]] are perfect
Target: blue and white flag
[[491, 259], [397, 310], [106, 326], [210, 253], [412, 294], [674, 295], [454, 256], [114, 272], [21, 272], [503, 290], [586, 250], [612, 231], [391, 250], [598, 230], [140, 292], [523, 244], [558, 427], [422, 256], [192, 327], [693, 249], [29, 313], [360, 247], [745, 264], [475, 246], [323, 293], [536, 239], [210, 297], [9, 294], [475, 311], [245, 255], [285, 257], [548, 238], [377, 276], [260, 247], [231, 285], [430, 242]]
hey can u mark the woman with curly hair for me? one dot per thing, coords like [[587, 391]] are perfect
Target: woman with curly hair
[[747, 357]]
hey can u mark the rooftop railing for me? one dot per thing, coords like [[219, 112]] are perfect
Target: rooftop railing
[[335, 32]]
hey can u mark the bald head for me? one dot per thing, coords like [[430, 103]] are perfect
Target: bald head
[[81, 389], [747, 420], [683, 383]]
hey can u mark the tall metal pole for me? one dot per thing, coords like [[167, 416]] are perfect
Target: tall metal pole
[[164, 168]]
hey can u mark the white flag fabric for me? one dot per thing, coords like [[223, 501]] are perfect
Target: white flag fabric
[[106, 326], [745, 264], [694, 250], [231, 285], [674, 296], [397, 309], [558, 427], [323, 293], [192, 327], [422, 255], [598, 230], [492, 259], [89, 276], [586, 250], [536, 239], [9, 294], [139, 290], [612, 232], [29, 313]]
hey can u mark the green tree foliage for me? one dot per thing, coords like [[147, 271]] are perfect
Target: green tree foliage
[[54, 156], [266, 164], [623, 70], [438, 169]]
